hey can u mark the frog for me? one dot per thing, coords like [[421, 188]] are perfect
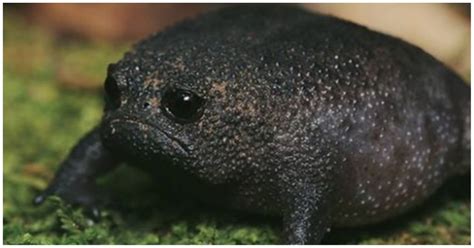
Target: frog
[[274, 110]]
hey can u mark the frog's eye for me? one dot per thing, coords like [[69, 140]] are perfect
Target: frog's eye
[[182, 105], [112, 92]]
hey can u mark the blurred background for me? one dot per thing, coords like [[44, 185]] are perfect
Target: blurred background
[[443, 30], [55, 56]]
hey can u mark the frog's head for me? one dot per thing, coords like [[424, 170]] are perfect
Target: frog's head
[[149, 120], [200, 109]]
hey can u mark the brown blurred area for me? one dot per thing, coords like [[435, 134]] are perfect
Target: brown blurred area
[[110, 22], [443, 30]]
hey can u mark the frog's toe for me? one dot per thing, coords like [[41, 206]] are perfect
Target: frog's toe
[[41, 197], [93, 212]]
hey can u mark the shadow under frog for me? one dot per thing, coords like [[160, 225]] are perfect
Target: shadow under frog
[[274, 110]]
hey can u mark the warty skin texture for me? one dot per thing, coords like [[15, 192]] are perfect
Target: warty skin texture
[[318, 120]]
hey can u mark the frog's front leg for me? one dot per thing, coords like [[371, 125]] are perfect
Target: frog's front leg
[[75, 180], [306, 219]]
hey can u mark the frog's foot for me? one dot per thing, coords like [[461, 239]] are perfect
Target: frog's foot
[[87, 196], [75, 181]]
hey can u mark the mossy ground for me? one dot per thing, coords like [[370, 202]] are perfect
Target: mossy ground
[[51, 99]]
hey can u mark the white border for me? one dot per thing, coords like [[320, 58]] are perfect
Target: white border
[[244, 1]]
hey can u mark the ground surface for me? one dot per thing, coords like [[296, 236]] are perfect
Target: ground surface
[[51, 98]]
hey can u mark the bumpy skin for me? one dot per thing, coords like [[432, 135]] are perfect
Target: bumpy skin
[[321, 121]]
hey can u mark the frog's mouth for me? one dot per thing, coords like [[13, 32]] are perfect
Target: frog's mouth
[[142, 139]]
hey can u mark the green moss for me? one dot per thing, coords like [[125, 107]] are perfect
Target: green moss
[[44, 117]]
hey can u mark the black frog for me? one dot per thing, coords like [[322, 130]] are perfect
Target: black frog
[[275, 110]]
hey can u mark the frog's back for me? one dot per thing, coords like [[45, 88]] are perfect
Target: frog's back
[[400, 117]]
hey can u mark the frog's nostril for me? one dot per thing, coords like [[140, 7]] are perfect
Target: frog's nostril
[[146, 105]]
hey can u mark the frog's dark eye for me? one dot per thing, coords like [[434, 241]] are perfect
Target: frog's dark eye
[[112, 92], [182, 105]]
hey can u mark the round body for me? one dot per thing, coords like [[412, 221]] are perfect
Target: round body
[[284, 103]]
